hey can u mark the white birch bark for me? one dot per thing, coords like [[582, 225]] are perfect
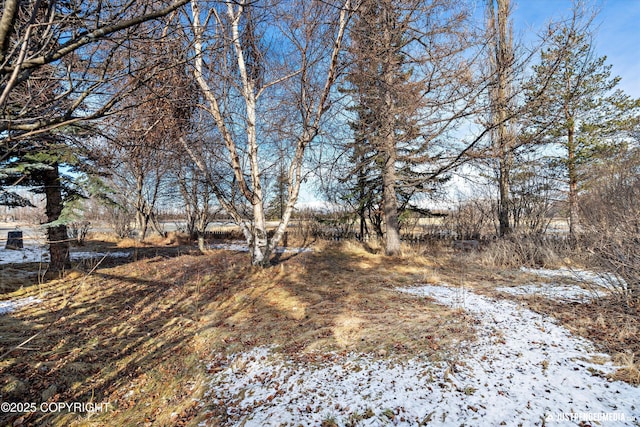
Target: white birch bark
[[255, 228]]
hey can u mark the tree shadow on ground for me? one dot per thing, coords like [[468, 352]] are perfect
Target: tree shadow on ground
[[140, 335]]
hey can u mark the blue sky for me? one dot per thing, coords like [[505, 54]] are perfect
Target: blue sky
[[617, 35]]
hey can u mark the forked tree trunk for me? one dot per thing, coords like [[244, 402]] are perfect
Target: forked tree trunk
[[247, 175]]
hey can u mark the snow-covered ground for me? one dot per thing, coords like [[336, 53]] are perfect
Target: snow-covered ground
[[13, 305], [603, 280], [555, 291], [241, 246], [591, 284], [28, 254], [39, 253], [523, 369]]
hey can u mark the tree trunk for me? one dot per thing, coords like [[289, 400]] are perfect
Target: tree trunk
[[259, 246], [502, 68], [142, 221], [390, 203], [573, 179], [387, 127], [503, 203], [56, 235], [155, 223]]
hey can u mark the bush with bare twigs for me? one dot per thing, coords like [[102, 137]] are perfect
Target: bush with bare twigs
[[611, 221], [471, 220], [78, 231], [529, 251], [119, 219]]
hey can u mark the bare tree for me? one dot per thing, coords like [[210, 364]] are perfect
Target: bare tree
[[76, 42], [160, 113], [242, 78], [194, 187], [611, 216]]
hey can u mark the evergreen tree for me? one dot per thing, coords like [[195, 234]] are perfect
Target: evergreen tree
[[387, 104], [579, 104], [38, 165]]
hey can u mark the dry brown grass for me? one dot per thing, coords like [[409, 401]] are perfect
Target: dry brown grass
[[136, 335], [519, 251], [12, 278], [102, 237], [630, 371]]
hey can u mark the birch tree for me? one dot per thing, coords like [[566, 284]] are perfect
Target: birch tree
[[251, 58]]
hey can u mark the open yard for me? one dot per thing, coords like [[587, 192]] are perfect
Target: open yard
[[336, 335]]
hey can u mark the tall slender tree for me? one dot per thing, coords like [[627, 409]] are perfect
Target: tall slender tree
[[411, 84], [387, 100], [501, 96], [578, 101]]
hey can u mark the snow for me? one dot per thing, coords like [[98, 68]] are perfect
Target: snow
[[92, 255], [522, 369], [40, 253], [241, 246], [603, 280], [555, 292], [592, 285], [15, 304], [28, 254]]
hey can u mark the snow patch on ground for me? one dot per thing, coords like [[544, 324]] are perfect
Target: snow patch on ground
[[522, 369], [75, 256], [241, 246], [21, 256], [555, 291], [40, 253], [603, 280], [15, 304]]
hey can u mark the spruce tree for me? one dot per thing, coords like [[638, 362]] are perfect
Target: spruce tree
[[579, 102], [387, 101]]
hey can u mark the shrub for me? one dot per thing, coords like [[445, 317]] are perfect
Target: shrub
[[610, 217]]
